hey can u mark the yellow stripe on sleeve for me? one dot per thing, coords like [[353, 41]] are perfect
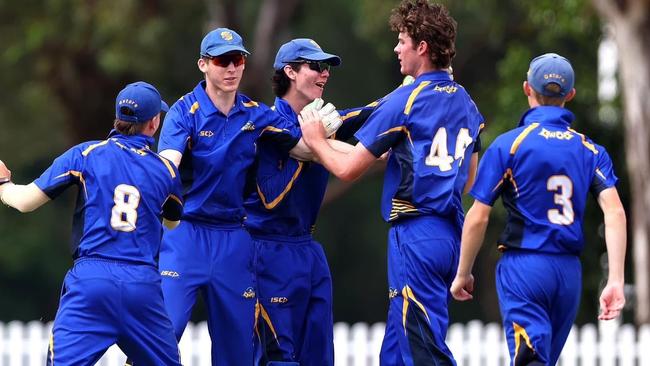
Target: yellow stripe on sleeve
[[75, 174], [168, 165], [399, 129]]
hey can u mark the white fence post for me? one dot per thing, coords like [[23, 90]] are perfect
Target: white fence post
[[625, 348], [643, 345], [589, 352], [341, 344], [570, 353]]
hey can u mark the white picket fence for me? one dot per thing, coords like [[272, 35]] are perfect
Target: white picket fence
[[473, 344]]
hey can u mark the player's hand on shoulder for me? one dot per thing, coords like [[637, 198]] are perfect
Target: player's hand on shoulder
[[5, 173], [462, 287]]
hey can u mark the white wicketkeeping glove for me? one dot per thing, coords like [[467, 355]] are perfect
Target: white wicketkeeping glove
[[316, 104], [331, 119]]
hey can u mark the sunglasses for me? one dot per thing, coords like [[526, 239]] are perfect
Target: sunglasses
[[318, 66], [236, 59]]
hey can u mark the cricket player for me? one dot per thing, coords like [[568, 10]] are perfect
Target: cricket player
[[112, 294], [211, 133], [431, 129], [295, 322], [543, 171]]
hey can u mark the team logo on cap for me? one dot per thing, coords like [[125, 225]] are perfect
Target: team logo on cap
[[554, 76], [314, 43], [130, 102], [227, 36]]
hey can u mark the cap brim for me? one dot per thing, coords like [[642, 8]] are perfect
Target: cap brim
[[333, 60], [163, 106], [225, 49]]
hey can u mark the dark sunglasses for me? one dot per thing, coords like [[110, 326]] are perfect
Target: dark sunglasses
[[237, 59], [318, 66]]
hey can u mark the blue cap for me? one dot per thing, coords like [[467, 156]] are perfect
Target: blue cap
[[551, 68], [220, 41], [138, 102], [303, 49]]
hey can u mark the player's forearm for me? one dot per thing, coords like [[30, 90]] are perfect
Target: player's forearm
[[615, 233], [473, 233], [24, 198], [616, 239], [471, 177], [335, 161]]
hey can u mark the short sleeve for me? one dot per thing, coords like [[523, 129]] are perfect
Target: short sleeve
[[353, 119], [491, 172], [603, 176], [65, 171], [385, 126], [284, 133], [175, 131]]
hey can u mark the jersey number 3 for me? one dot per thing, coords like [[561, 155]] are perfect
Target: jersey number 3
[[439, 154], [124, 214], [563, 188]]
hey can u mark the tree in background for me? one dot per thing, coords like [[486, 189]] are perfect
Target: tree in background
[[631, 22]]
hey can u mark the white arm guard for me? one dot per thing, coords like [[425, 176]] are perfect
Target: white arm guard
[[23, 198]]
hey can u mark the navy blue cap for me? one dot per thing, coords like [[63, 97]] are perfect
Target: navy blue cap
[[220, 41], [303, 49], [139, 102], [551, 68]]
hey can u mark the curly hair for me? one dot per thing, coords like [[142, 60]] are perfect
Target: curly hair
[[430, 23]]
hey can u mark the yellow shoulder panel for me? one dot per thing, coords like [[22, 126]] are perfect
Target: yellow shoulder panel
[[414, 94], [521, 137]]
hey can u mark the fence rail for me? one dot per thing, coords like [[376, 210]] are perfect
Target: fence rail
[[473, 344]]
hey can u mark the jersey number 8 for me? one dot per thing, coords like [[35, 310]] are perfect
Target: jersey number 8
[[439, 155], [124, 214]]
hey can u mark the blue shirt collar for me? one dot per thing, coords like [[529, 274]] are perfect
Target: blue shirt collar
[[206, 106], [547, 115], [284, 108], [438, 75], [133, 140]]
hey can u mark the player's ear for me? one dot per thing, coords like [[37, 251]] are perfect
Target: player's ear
[[422, 47], [202, 64], [570, 95], [526, 88], [290, 72], [154, 124]]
